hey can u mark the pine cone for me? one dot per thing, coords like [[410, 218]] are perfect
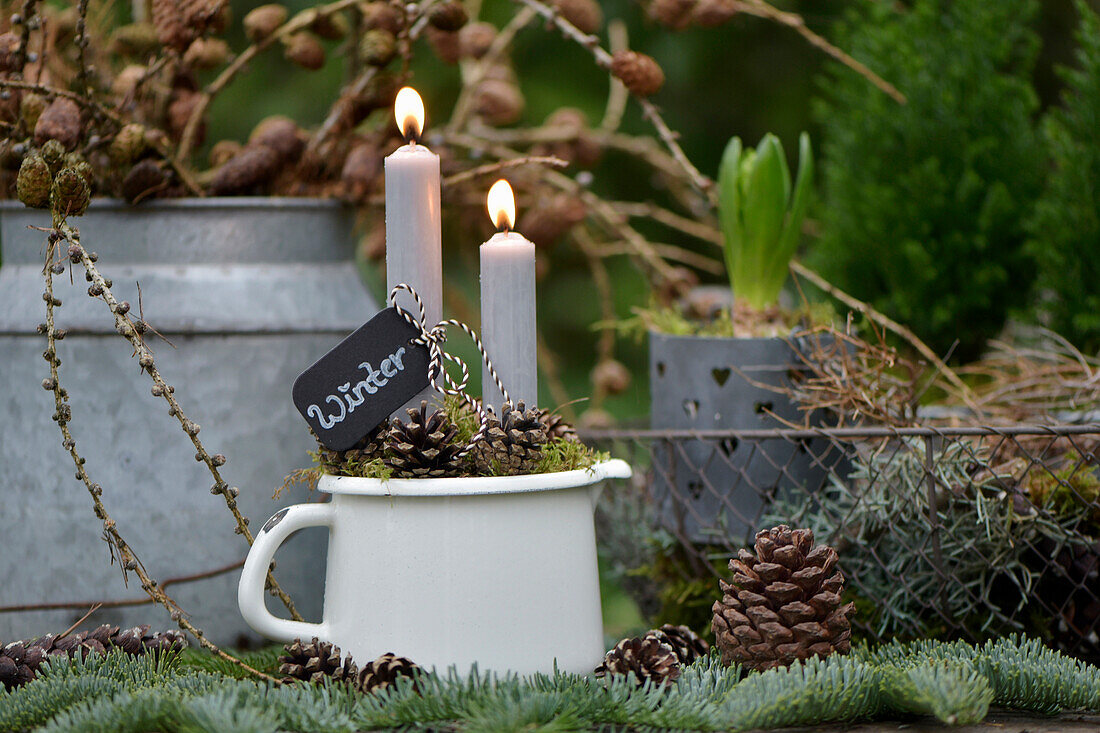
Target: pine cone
[[475, 39], [71, 193], [384, 671], [548, 220], [611, 376], [369, 448], [282, 135], [448, 16], [711, 13], [128, 145], [586, 15], [20, 660], [424, 447], [640, 73], [674, 14], [261, 22], [377, 47], [145, 179], [513, 443], [305, 51], [580, 146], [31, 107], [252, 167], [783, 603], [135, 40], [179, 22], [33, 183], [316, 661], [9, 51], [444, 44], [331, 27], [53, 153], [382, 15], [180, 110], [361, 169], [688, 645], [556, 427], [206, 53], [498, 102], [60, 121], [647, 657]]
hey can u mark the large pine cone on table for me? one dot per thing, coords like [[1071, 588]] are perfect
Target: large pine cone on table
[[783, 604]]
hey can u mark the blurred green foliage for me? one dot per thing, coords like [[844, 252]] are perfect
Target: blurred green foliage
[[1065, 228], [925, 202]]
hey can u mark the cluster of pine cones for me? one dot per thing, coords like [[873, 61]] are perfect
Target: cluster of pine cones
[[657, 656], [424, 446], [20, 660], [317, 661]]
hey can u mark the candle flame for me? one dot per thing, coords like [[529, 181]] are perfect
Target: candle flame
[[408, 109], [502, 205]]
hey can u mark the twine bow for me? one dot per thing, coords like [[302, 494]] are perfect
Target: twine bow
[[434, 338]]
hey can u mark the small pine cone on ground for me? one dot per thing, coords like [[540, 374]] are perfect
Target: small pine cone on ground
[[783, 604], [639, 72], [316, 661], [647, 657], [688, 645], [384, 671]]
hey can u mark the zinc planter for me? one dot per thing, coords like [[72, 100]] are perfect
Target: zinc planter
[[715, 491], [499, 572], [250, 291]]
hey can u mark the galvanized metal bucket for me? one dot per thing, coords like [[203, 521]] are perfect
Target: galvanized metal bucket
[[250, 291], [715, 491]]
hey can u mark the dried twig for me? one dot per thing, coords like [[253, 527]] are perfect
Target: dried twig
[[762, 9], [649, 110], [122, 602], [965, 393], [132, 331], [127, 557], [500, 165]]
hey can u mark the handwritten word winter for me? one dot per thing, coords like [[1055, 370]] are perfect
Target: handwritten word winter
[[354, 396]]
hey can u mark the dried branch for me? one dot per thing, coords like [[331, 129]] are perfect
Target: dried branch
[[488, 168], [299, 22], [762, 9], [81, 80], [127, 557], [617, 94], [964, 391], [603, 59], [25, 34], [133, 332], [125, 602]]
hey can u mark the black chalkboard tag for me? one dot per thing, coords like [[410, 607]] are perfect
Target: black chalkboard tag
[[368, 375]]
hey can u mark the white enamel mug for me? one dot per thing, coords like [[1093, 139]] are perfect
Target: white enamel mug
[[498, 571]]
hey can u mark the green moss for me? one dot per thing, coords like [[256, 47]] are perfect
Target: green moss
[[1068, 492]]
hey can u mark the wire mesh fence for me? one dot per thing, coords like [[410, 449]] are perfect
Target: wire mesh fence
[[963, 532]]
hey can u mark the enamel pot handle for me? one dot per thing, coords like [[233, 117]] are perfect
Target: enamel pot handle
[[250, 591]]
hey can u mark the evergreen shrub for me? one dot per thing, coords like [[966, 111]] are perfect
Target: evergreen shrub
[[925, 203]]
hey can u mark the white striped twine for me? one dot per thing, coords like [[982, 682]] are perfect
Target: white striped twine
[[433, 338]]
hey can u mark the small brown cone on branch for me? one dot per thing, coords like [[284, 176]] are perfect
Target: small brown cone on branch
[[305, 51], [33, 183], [382, 15], [646, 657], [546, 222], [71, 193], [586, 15], [261, 22], [638, 72], [445, 45], [783, 604], [498, 102], [250, 169], [711, 13], [674, 14], [9, 51], [282, 135], [475, 39], [448, 16], [59, 121], [315, 661]]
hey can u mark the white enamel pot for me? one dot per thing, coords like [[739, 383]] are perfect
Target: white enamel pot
[[497, 571]]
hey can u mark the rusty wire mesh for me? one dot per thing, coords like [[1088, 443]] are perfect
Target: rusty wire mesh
[[949, 532]]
